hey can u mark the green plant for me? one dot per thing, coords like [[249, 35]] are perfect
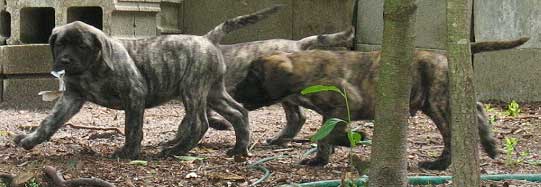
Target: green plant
[[330, 124], [513, 109], [511, 149], [510, 145], [353, 137], [491, 119], [488, 108], [31, 183]]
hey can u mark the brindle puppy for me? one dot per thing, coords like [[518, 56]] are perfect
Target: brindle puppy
[[274, 78], [239, 56], [132, 75]]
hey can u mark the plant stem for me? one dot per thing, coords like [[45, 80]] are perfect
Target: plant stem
[[344, 94]]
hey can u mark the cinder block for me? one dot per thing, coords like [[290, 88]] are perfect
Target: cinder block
[[133, 24], [145, 24], [507, 19], [508, 75], [198, 20], [26, 59], [312, 17], [431, 23], [32, 20], [298, 19], [123, 24], [170, 18], [23, 93]]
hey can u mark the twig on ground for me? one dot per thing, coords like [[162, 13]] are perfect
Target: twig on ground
[[253, 145], [118, 130], [55, 179]]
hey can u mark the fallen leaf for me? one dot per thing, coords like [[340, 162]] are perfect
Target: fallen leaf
[[191, 175], [189, 158], [225, 176], [5, 133], [139, 162]]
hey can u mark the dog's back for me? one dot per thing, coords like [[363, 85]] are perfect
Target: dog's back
[[169, 62]]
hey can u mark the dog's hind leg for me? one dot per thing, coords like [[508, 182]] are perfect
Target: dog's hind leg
[[487, 141], [438, 112], [216, 122], [193, 125], [295, 120], [223, 103]]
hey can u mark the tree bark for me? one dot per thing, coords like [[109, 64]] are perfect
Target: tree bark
[[464, 127], [389, 152]]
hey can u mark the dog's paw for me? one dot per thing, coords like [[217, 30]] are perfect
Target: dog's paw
[[238, 152], [171, 151], [24, 141], [439, 164], [314, 162], [219, 124], [278, 142], [126, 153]]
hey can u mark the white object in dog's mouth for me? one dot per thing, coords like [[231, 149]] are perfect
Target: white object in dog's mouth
[[52, 95], [58, 74]]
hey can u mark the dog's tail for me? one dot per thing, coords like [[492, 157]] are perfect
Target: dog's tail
[[217, 34], [497, 45], [326, 40]]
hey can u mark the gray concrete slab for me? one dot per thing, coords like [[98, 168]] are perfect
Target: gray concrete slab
[[508, 75], [431, 23], [23, 93], [507, 19], [25, 59], [311, 17]]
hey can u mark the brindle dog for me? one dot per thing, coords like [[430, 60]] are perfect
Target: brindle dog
[[239, 56], [132, 75], [274, 78]]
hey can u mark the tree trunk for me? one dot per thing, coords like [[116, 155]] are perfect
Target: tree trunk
[[464, 127], [389, 153]]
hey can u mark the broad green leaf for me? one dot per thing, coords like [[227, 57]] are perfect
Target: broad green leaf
[[139, 162], [189, 158], [354, 138], [319, 88], [326, 129]]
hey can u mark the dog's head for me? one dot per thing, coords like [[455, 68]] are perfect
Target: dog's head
[[78, 47]]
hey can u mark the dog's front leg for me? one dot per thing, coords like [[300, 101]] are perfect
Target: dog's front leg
[[295, 120], [65, 108], [134, 109]]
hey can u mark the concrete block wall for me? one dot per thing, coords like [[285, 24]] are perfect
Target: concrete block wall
[[300, 18], [431, 24], [511, 74], [23, 74], [32, 20], [502, 75]]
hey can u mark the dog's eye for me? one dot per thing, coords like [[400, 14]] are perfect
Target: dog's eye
[[82, 47]]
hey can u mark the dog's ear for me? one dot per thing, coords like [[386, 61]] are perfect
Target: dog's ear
[[111, 52], [52, 40]]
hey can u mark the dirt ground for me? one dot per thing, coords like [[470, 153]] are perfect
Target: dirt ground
[[84, 153]]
